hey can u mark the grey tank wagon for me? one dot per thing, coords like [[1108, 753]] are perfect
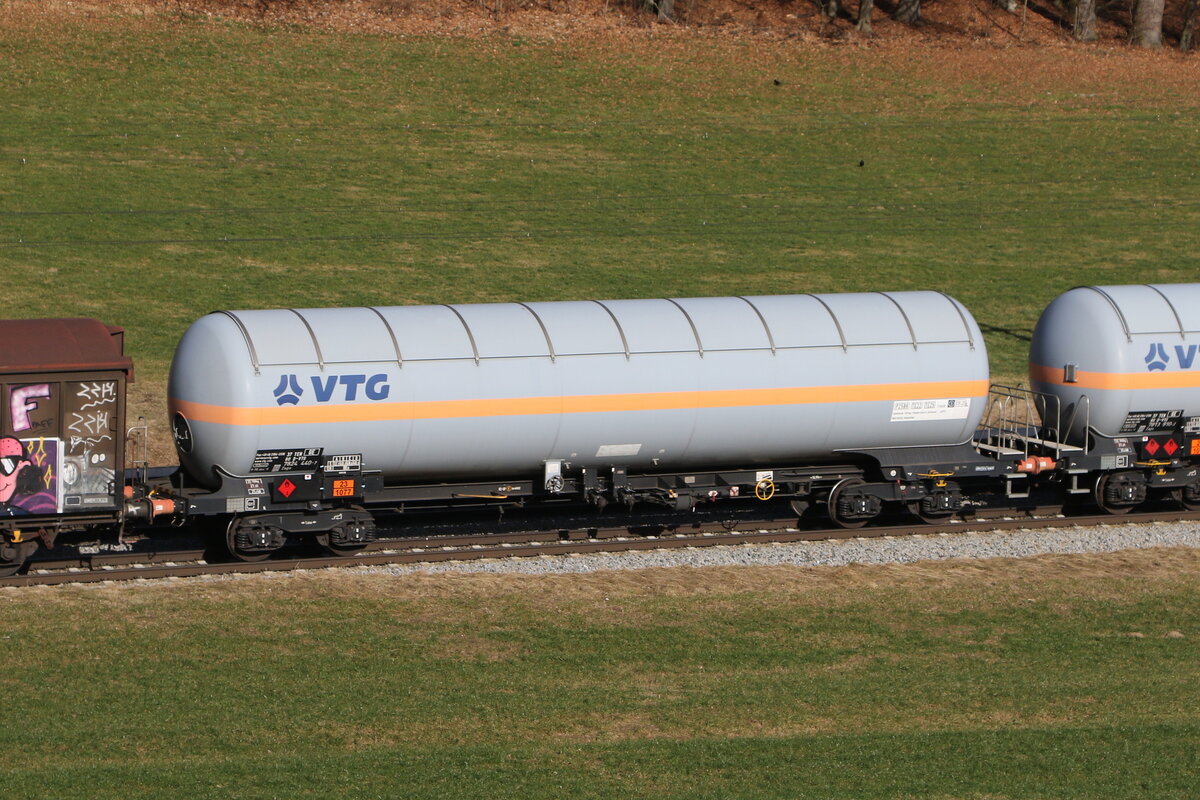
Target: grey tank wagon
[[610, 400], [301, 424]]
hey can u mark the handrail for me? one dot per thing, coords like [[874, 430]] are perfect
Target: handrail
[[1041, 421], [467, 328], [312, 335], [1085, 403], [241, 326]]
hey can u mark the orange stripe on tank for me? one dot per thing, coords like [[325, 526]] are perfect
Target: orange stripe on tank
[[574, 404], [1117, 380]]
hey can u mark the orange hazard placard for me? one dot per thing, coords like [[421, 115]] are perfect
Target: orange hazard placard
[[343, 488]]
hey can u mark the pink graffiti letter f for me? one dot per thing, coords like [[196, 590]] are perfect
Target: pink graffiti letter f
[[22, 401]]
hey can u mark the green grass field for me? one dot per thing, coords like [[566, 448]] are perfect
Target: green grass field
[[1063, 677], [154, 172], [153, 169]]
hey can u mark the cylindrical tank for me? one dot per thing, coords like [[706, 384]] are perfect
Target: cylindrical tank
[[1119, 359], [479, 391]]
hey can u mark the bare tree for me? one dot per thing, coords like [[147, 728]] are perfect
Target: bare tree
[[663, 9], [1085, 21], [865, 7], [908, 11], [1189, 26], [1147, 23]]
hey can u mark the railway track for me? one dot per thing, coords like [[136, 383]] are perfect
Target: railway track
[[189, 560]]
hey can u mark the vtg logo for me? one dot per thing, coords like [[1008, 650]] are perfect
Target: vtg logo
[[1157, 358], [289, 391]]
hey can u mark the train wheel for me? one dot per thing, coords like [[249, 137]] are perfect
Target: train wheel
[[350, 537], [1182, 497], [326, 541], [914, 508], [1106, 505], [835, 496], [241, 537], [13, 556]]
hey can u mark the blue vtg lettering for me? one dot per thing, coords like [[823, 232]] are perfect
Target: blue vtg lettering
[[332, 388], [326, 386], [1161, 357]]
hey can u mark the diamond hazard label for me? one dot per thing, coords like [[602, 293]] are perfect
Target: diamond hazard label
[[286, 488]]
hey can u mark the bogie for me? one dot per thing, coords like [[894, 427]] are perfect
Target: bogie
[[252, 539], [850, 506], [1118, 493], [14, 554]]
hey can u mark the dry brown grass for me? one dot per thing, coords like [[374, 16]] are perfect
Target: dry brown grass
[[963, 24], [612, 596]]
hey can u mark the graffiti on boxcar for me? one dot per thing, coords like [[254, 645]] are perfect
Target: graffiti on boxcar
[[89, 462], [23, 403], [28, 476]]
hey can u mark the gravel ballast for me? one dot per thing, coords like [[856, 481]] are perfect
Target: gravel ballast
[[886, 550]]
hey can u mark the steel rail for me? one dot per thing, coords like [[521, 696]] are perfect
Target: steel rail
[[442, 548]]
